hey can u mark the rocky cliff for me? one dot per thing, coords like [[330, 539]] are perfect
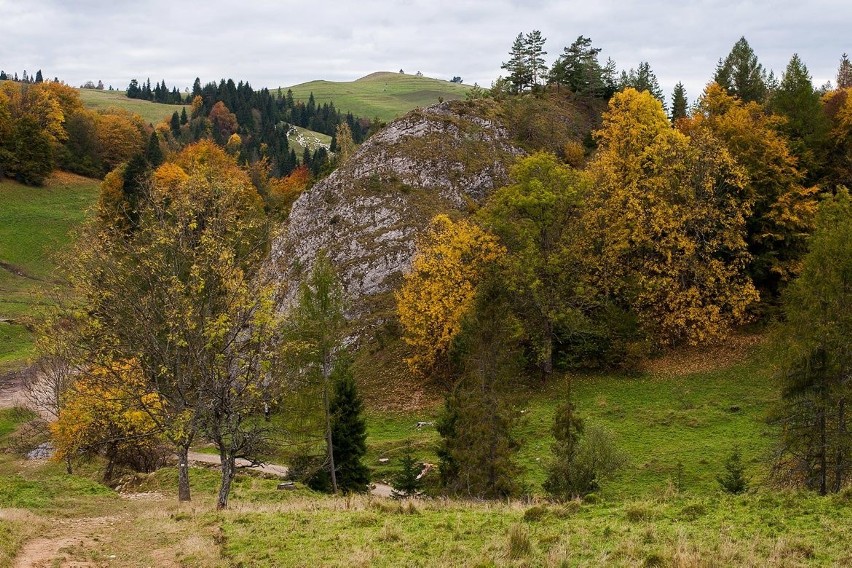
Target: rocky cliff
[[368, 213]]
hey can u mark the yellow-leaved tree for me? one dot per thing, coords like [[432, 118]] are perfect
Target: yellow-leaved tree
[[440, 288], [782, 209], [665, 221], [107, 411]]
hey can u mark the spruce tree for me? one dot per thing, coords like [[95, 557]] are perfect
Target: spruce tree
[[741, 74], [679, 103], [153, 152], [38, 77], [477, 451], [806, 125], [405, 483], [183, 118], [174, 123], [733, 480], [562, 480], [349, 434], [844, 73], [816, 386]]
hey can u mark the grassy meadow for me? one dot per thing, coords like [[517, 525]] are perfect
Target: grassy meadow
[[384, 95], [151, 112], [35, 224], [689, 411]]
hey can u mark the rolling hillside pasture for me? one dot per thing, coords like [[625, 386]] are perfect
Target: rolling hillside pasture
[[35, 223], [152, 113], [384, 95]]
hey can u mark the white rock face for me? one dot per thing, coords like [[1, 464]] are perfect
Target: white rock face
[[368, 213]]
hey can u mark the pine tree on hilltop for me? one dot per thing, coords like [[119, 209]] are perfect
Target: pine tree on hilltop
[[844, 73]]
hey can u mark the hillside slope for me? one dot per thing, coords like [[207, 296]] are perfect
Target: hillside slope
[[384, 95], [153, 113]]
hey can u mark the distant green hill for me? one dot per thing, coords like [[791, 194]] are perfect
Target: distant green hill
[[150, 112], [386, 95]]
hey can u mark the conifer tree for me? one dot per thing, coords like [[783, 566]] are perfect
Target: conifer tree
[[174, 123], [741, 74], [807, 125], [679, 103], [183, 118], [405, 483], [153, 152], [349, 434], [844, 73], [38, 77]]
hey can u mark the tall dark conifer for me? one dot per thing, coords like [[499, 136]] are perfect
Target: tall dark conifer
[[679, 103]]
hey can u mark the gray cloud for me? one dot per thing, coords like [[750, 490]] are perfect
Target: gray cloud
[[272, 43]]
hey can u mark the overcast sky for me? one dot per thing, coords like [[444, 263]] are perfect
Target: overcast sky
[[279, 43]]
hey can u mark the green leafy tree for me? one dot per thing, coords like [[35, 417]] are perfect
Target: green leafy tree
[[679, 103], [537, 220], [153, 153], [316, 323], [816, 443], [741, 74]]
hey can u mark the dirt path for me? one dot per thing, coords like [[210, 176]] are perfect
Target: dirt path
[[12, 389], [53, 549]]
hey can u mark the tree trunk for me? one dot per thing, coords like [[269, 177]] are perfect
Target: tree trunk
[[823, 454], [68, 468], [183, 473], [228, 471], [840, 457], [326, 372]]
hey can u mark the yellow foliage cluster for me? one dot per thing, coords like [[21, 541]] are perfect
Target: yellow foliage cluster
[[441, 286], [107, 410], [666, 218]]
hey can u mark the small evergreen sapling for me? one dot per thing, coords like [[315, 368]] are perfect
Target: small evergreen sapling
[[405, 482], [733, 480]]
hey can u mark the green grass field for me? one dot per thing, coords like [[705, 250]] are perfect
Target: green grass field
[[35, 223], [152, 113], [383, 95], [647, 516]]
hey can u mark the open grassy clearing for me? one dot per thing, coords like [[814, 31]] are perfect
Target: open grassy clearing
[[649, 515], [151, 112], [384, 95], [35, 224]]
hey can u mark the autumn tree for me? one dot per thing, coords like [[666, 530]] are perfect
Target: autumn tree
[[345, 144], [741, 75], [106, 412], [224, 123], [665, 221], [782, 208], [440, 288], [172, 294], [816, 443]]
